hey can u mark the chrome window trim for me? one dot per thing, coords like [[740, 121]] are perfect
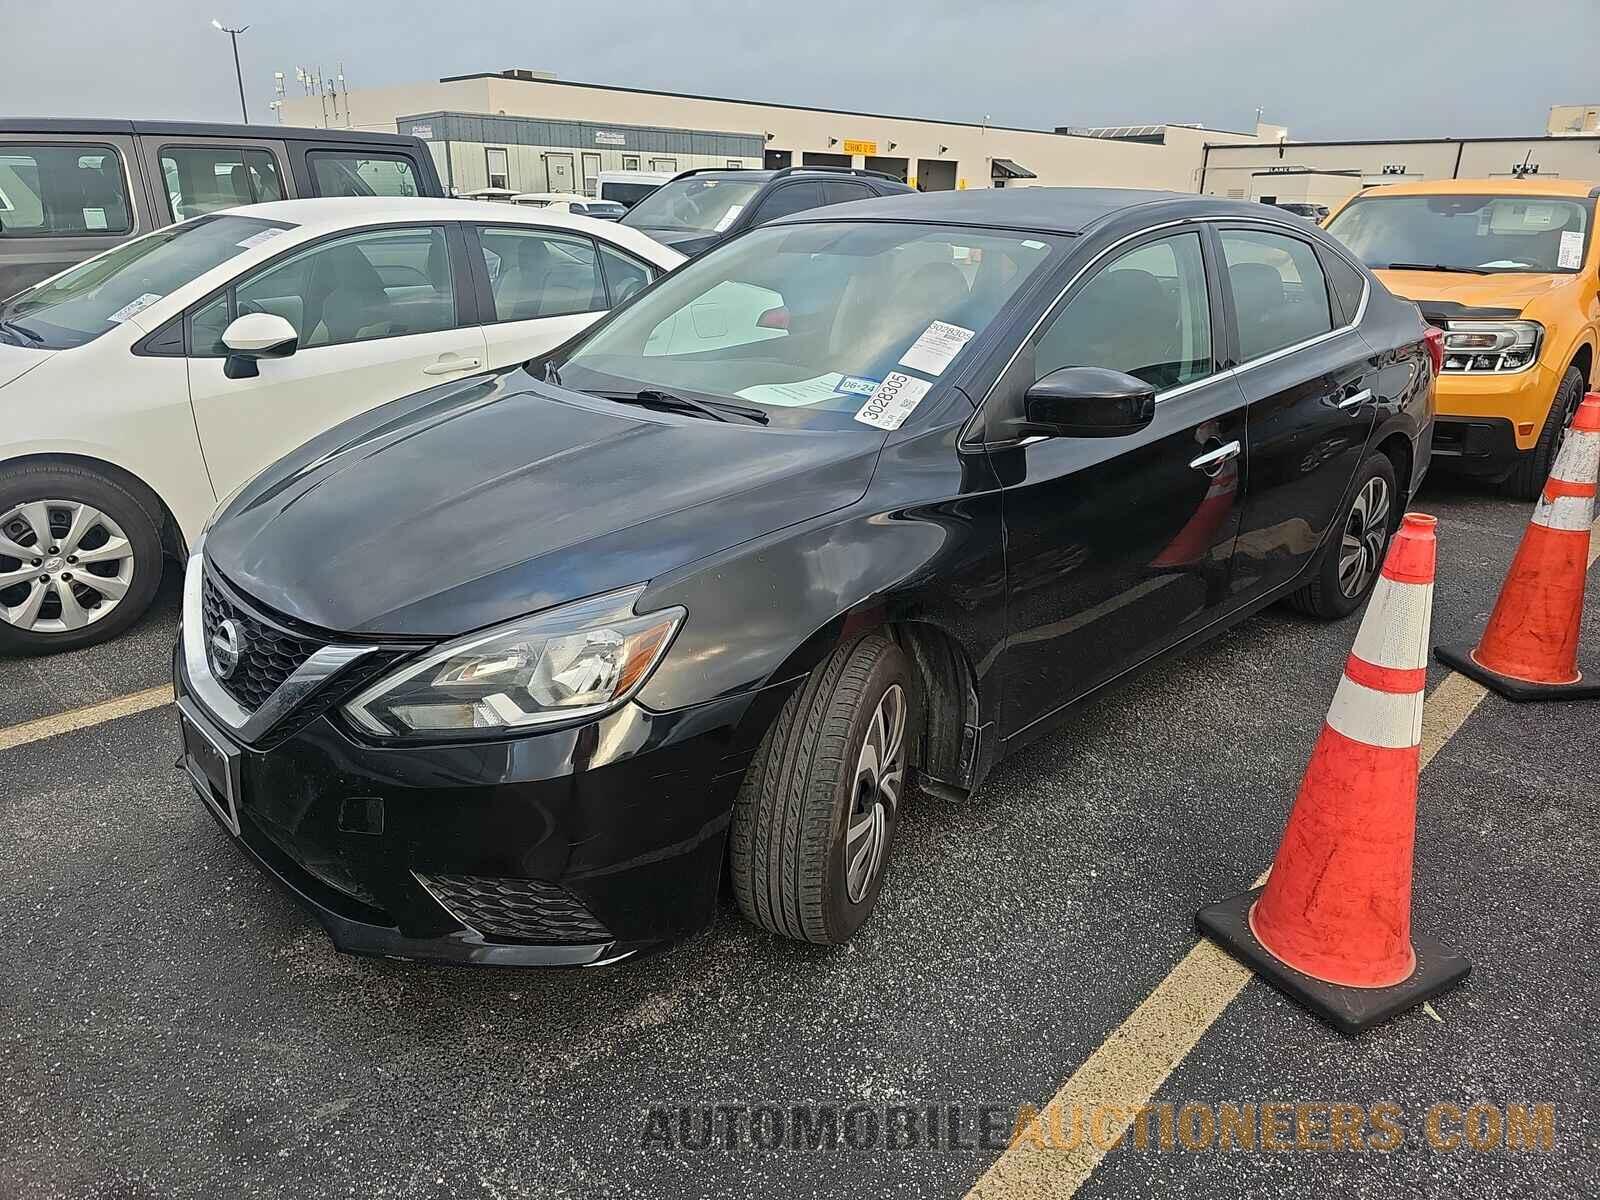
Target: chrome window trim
[[249, 727], [1172, 393]]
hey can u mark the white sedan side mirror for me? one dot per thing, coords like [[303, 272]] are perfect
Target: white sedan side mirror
[[253, 336]]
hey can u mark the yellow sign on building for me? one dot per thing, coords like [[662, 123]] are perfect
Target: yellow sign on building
[[854, 147]]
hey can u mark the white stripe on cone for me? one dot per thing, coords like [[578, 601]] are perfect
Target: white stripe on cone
[[1373, 718], [1578, 462], [1394, 631]]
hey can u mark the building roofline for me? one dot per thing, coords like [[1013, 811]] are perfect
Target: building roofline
[[841, 112], [1434, 141]]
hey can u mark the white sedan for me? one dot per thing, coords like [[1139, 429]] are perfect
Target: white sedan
[[141, 386]]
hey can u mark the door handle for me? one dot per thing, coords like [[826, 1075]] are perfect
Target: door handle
[[449, 366], [1215, 458], [1359, 398]]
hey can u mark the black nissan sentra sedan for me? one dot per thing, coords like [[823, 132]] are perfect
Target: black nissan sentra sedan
[[517, 669]]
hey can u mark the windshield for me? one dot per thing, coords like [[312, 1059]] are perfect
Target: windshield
[[1490, 234], [806, 321], [694, 204], [97, 296]]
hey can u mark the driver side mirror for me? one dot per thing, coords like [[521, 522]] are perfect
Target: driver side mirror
[[1087, 402], [255, 336]]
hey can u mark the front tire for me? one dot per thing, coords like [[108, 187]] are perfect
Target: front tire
[[1527, 478], [816, 815], [80, 558], [1349, 564]]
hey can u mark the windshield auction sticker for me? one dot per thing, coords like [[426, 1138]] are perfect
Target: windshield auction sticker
[[133, 306], [893, 400], [940, 342]]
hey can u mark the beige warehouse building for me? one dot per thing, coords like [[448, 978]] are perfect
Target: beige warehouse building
[[531, 132]]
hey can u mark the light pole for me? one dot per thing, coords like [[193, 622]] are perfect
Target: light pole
[[238, 74]]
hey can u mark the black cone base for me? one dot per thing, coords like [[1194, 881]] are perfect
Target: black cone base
[[1348, 1009], [1460, 658]]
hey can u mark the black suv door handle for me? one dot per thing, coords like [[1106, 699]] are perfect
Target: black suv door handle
[[1211, 461], [1356, 399]]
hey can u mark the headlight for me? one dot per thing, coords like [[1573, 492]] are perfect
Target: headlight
[[1500, 347], [579, 660]]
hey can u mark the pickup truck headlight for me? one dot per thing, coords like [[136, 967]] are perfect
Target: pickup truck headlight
[[579, 660], [1491, 347]]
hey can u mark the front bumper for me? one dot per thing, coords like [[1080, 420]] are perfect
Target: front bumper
[[1480, 446], [571, 847], [1520, 402]]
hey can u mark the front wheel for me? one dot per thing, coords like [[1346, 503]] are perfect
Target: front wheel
[[817, 812], [1349, 563], [80, 558], [1527, 478]]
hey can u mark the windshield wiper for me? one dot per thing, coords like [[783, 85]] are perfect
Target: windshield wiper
[[22, 331], [714, 410], [1436, 267]]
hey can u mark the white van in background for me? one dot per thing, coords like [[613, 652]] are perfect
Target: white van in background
[[627, 188]]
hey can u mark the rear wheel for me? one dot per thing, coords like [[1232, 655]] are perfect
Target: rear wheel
[[818, 808], [1349, 563], [1527, 478], [80, 558]]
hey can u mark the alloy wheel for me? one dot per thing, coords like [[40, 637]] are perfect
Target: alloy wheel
[[63, 565], [880, 775], [1366, 534]]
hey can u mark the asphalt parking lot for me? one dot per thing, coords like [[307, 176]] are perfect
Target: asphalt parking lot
[[177, 1026]]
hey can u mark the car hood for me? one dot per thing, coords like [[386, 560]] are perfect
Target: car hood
[[1486, 295], [17, 361], [483, 501]]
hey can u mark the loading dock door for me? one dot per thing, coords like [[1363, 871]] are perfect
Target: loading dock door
[[558, 173], [777, 160], [814, 158], [936, 175], [896, 167]]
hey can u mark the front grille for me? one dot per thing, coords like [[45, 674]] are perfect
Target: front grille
[[530, 910], [268, 654]]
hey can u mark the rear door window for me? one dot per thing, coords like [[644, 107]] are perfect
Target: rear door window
[[1279, 294], [841, 191], [66, 190], [362, 173], [536, 273], [790, 198], [202, 179]]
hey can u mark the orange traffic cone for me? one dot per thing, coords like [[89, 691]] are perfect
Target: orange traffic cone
[[1332, 927], [1530, 649]]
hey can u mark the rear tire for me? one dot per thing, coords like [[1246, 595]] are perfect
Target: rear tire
[[112, 575], [816, 815], [1347, 567], [1527, 478]]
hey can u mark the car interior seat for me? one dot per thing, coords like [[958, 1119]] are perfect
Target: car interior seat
[[1124, 320], [1263, 316], [345, 300]]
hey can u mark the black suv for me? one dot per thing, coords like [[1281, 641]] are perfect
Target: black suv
[[694, 211], [72, 188]]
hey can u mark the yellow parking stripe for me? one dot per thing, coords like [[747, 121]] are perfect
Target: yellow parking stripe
[[82, 718], [1129, 1067]]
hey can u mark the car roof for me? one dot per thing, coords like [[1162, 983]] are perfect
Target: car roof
[[108, 127], [1063, 210], [329, 214], [1532, 186]]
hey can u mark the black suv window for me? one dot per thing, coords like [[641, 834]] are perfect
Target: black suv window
[[838, 191], [1279, 294], [202, 179], [61, 190], [788, 198], [362, 173]]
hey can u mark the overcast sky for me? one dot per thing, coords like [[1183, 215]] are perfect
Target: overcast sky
[[1330, 69]]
